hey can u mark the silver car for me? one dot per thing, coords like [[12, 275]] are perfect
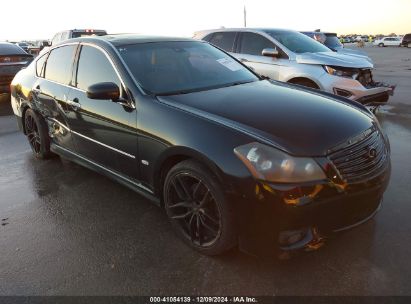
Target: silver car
[[290, 56]]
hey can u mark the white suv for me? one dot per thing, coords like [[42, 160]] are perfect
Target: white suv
[[388, 41], [290, 56]]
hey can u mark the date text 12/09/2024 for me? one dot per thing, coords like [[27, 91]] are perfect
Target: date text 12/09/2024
[[202, 299]]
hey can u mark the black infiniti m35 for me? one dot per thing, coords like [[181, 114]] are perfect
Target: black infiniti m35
[[234, 159]]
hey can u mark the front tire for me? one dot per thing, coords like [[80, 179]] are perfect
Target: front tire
[[198, 209], [36, 131], [381, 45]]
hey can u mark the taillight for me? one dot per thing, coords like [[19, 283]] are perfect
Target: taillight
[[13, 59]]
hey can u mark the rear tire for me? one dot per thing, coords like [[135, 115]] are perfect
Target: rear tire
[[37, 134], [409, 45], [198, 209]]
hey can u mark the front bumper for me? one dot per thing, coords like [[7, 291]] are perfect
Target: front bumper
[[276, 213], [376, 94]]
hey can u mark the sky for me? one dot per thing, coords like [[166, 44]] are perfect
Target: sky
[[41, 19]]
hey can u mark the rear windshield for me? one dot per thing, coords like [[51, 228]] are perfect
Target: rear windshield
[[78, 34], [177, 67], [297, 42], [11, 49]]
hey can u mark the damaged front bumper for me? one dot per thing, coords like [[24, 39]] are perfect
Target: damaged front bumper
[[370, 94]]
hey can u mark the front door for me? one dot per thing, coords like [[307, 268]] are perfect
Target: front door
[[250, 50], [104, 131]]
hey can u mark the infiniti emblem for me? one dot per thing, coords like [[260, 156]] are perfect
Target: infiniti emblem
[[372, 153]]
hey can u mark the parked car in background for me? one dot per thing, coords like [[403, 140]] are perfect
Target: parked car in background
[[24, 45], [364, 38], [347, 40], [406, 40], [70, 34], [388, 41], [331, 41], [290, 56], [12, 60], [233, 158]]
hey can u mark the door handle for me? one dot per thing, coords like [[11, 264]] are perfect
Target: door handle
[[74, 104], [243, 60]]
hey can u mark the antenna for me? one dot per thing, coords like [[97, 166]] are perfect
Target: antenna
[[245, 17]]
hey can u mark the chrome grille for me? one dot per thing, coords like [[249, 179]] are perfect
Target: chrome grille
[[361, 158]]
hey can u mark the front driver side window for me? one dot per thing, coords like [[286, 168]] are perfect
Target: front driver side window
[[253, 44], [94, 67]]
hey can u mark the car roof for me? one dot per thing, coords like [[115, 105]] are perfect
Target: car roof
[[126, 39], [244, 29], [7, 48], [325, 33]]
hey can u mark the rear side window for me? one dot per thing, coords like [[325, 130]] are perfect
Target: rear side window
[[253, 44], [40, 65], [208, 37], [408, 37], [224, 40], [59, 64], [94, 67]]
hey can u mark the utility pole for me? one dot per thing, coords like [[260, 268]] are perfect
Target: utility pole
[[245, 17]]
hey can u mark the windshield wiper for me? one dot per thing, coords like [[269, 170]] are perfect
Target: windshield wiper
[[181, 92]]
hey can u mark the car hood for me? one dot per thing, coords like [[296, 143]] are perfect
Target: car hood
[[354, 53], [298, 121], [335, 59]]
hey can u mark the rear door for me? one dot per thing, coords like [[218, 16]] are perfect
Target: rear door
[[103, 129], [250, 47], [50, 91]]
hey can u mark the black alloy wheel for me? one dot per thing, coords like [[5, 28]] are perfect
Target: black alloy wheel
[[37, 135], [197, 209]]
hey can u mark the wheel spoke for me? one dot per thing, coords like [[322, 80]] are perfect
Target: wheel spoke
[[181, 204], [213, 220], [205, 198], [215, 232], [198, 224], [196, 189], [32, 139], [179, 217], [190, 228], [184, 187]]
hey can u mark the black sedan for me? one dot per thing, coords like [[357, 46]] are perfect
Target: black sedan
[[12, 60], [234, 159]]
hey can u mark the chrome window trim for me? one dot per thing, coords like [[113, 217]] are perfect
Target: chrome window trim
[[130, 104], [106, 169], [92, 140]]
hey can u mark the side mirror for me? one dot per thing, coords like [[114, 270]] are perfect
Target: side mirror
[[270, 52], [103, 90]]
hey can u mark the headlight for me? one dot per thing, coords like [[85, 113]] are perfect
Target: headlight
[[341, 71], [269, 164]]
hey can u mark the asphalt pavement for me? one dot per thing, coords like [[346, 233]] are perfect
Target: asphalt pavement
[[65, 230]]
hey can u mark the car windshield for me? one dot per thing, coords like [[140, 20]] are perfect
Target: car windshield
[[178, 67], [332, 42], [297, 42]]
